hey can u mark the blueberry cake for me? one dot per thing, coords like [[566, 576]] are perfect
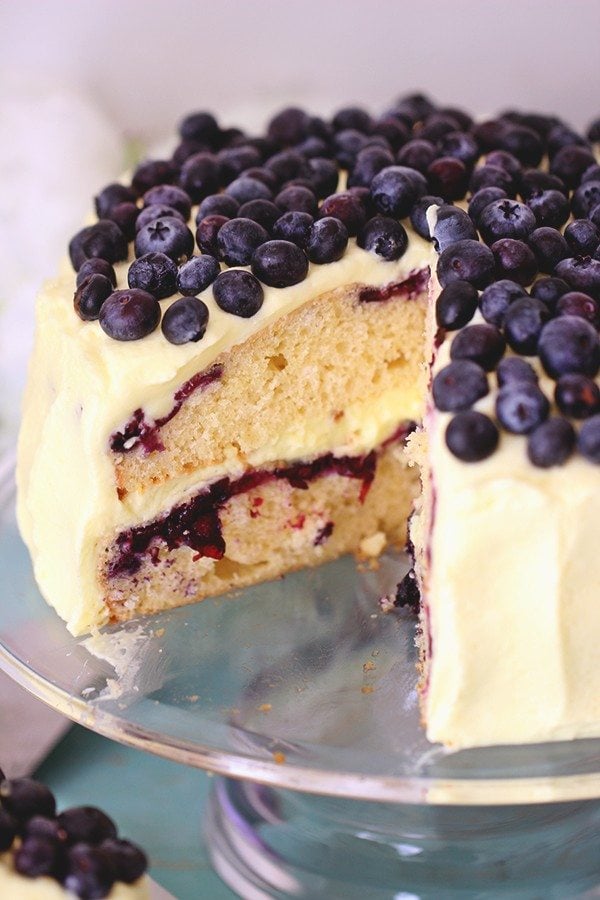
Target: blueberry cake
[[266, 340], [77, 853]]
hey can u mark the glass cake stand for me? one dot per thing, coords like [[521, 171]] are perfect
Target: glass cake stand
[[301, 696]]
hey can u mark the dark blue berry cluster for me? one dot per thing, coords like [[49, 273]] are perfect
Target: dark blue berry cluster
[[79, 848]]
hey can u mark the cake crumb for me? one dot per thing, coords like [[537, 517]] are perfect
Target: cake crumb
[[368, 666], [279, 757], [264, 707], [373, 545], [159, 632], [367, 689]]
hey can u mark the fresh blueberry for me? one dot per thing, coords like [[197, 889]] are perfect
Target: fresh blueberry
[[533, 180], [396, 189], [462, 118], [262, 211], [125, 216], [129, 315], [296, 199], [418, 214], [505, 160], [199, 176], [155, 273], [585, 198], [496, 299], [152, 172], [96, 266], [523, 324], [90, 295], [582, 236], [169, 195], [569, 344], [482, 344], [238, 292], [86, 823], [514, 260], [129, 860], [111, 196], [393, 130], [577, 396], [207, 233], [523, 143], [23, 798], [489, 176], [327, 241], [385, 237], [451, 225], [414, 106], [549, 208], [417, 154], [280, 264], [324, 176], [104, 239], [90, 873], [592, 173], [185, 321], [521, 406], [218, 204], [313, 146], [288, 126], [37, 856], [347, 145], [436, 126], [369, 162], [549, 291], [506, 219], [594, 216], [294, 227], [467, 261], [551, 443], [152, 213], [549, 248], [187, 148], [570, 162], [575, 303], [262, 174], [8, 830], [459, 385], [483, 198], [232, 161], [244, 189], [448, 177], [352, 117], [593, 132], [238, 239], [512, 369], [166, 235], [562, 136], [286, 165], [407, 592], [459, 145], [346, 207], [471, 436], [541, 124], [581, 273], [44, 827], [196, 275], [589, 439], [199, 126], [456, 305]]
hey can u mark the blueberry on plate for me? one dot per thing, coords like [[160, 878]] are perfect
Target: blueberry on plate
[[482, 344], [185, 320], [198, 273], [327, 241], [238, 292], [369, 162], [459, 385], [471, 436], [521, 406], [551, 443], [585, 198], [383, 236], [238, 239], [577, 396], [467, 260], [569, 344], [129, 315], [497, 297], [90, 295], [280, 263], [456, 305], [155, 273], [166, 235]]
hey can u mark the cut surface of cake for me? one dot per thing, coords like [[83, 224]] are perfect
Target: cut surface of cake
[[365, 300]]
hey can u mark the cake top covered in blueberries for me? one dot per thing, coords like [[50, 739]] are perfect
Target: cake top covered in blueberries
[[511, 205]]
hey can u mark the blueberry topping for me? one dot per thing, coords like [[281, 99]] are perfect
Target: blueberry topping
[[589, 439], [456, 305], [238, 292], [514, 260], [207, 233], [570, 162], [23, 798], [383, 236], [199, 126], [582, 236], [346, 207], [417, 154], [459, 385], [569, 344], [169, 195], [369, 162], [232, 161], [471, 436], [199, 176], [89, 872], [288, 126], [327, 241], [238, 239], [592, 173], [549, 248], [523, 324], [37, 856], [86, 823], [505, 160], [96, 266], [128, 860], [8, 830], [593, 132], [155, 273], [577, 396], [395, 190], [459, 145], [549, 291], [418, 214], [496, 299], [151, 213], [407, 592], [245, 188], [483, 198], [467, 261], [451, 224], [262, 211], [152, 172], [280, 263], [448, 177], [414, 106], [549, 208], [324, 176], [196, 275], [352, 117], [482, 344], [185, 321], [489, 176], [585, 198], [125, 216], [296, 199], [348, 144], [219, 205], [287, 165], [532, 181], [294, 227], [506, 219], [551, 443], [575, 303], [90, 295], [393, 130], [104, 239], [582, 273], [112, 195], [129, 315], [521, 406], [166, 235], [44, 827], [512, 369]]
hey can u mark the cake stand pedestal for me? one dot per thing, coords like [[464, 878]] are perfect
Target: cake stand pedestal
[[301, 695]]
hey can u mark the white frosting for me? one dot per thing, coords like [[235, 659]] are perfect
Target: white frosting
[[17, 887]]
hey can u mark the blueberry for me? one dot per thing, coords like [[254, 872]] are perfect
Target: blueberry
[[280, 264], [232, 161], [238, 239], [395, 190], [569, 344], [129, 860], [512, 369], [90, 873], [549, 208], [496, 299], [418, 214], [459, 385], [296, 199], [459, 145], [327, 241], [44, 827], [506, 219], [393, 130], [187, 148], [523, 143], [207, 233], [594, 216], [407, 592], [582, 236], [385, 237], [593, 132], [218, 204], [417, 154], [521, 406], [551, 443], [152, 172], [324, 176], [294, 227], [483, 198], [532, 181], [562, 136], [346, 207], [37, 856], [448, 177], [262, 211], [86, 823], [462, 118], [152, 213], [456, 305], [589, 439], [549, 248], [352, 117], [570, 162], [166, 235], [489, 176], [155, 273], [585, 198], [523, 324], [125, 216], [96, 266], [199, 126], [90, 295], [347, 145], [549, 291], [575, 303], [582, 273], [451, 224], [287, 165], [244, 189], [312, 146], [592, 173], [505, 160], [436, 126], [185, 321], [482, 344], [369, 162], [112, 195], [577, 396], [514, 260], [104, 239], [262, 174], [199, 176], [238, 292], [471, 436], [129, 315], [196, 274], [169, 195], [8, 830], [414, 106], [23, 798], [288, 126], [467, 261]]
